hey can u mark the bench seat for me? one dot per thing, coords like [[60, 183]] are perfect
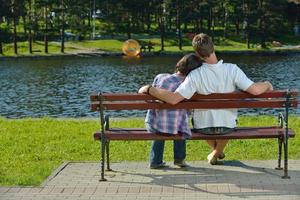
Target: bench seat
[[238, 133]]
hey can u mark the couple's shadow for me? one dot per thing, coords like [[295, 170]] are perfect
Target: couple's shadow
[[245, 177]]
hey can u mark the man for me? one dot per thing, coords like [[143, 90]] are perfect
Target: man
[[212, 77]]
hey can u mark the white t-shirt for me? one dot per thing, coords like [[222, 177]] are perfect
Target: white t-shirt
[[214, 78]]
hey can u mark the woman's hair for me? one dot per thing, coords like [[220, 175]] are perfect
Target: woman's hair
[[187, 63]]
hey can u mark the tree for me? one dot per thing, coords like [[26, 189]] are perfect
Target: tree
[[14, 13], [162, 24], [30, 25], [178, 24], [296, 13], [43, 6], [62, 33], [4, 12]]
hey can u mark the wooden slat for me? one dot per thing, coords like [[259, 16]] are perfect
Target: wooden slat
[[239, 133], [217, 104], [244, 95], [234, 95]]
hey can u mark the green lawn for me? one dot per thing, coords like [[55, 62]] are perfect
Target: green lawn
[[37, 47], [32, 148], [115, 45]]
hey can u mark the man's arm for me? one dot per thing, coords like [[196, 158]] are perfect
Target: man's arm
[[162, 94], [259, 88]]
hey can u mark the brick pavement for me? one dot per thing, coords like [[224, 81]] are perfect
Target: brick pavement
[[134, 180]]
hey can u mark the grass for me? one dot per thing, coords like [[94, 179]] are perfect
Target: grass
[[38, 48], [115, 45], [32, 148], [105, 45]]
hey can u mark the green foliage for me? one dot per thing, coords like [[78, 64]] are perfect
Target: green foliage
[[249, 21], [32, 148]]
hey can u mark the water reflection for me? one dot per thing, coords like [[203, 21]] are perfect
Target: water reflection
[[61, 87]]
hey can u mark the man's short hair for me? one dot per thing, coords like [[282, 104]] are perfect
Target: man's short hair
[[203, 45]]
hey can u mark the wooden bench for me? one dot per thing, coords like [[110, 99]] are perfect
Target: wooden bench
[[132, 101]]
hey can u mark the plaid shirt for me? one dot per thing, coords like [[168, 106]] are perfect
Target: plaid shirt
[[169, 121]]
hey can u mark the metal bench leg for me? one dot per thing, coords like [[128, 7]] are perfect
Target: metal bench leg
[[279, 153], [286, 136], [103, 141], [106, 126], [285, 170], [107, 156]]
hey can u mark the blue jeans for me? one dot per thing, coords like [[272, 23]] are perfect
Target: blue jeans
[[157, 149]]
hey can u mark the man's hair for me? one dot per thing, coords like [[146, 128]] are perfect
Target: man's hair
[[187, 63], [203, 45]]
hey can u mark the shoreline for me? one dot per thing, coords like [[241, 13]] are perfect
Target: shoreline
[[274, 52]]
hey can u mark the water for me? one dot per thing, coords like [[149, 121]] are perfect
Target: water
[[60, 87]]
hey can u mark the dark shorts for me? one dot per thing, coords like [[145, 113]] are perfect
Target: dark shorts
[[214, 130]]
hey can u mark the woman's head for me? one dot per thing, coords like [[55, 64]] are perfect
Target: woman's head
[[187, 63]]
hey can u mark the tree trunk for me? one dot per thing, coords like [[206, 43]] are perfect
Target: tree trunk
[[209, 20], [29, 27], [261, 25], [148, 22], [46, 28], [30, 41], [237, 27], [178, 28], [90, 13], [248, 39], [1, 49], [162, 34], [129, 27], [62, 34], [15, 29], [162, 24], [201, 24], [24, 24], [212, 26], [225, 23]]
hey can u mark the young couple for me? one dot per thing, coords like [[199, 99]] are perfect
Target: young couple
[[199, 73]]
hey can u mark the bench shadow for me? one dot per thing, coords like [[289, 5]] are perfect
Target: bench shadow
[[249, 180]]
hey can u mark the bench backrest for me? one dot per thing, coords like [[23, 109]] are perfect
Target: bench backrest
[[135, 101]]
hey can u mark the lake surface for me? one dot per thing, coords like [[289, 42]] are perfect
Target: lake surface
[[60, 87]]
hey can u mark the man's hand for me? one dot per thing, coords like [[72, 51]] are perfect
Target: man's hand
[[260, 87], [270, 85]]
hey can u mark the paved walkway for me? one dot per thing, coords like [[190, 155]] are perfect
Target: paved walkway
[[134, 180]]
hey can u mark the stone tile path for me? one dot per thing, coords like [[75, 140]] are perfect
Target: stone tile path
[[134, 180]]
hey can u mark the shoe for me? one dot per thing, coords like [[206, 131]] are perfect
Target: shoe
[[180, 163], [158, 166], [212, 160], [222, 156]]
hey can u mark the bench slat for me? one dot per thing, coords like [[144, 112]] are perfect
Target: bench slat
[[216, 104], [234, 95], [239, 133]]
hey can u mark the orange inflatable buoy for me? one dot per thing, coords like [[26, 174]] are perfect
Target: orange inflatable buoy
[[131, 48]]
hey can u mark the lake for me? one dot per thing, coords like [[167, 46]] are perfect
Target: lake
[[60, 87]]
